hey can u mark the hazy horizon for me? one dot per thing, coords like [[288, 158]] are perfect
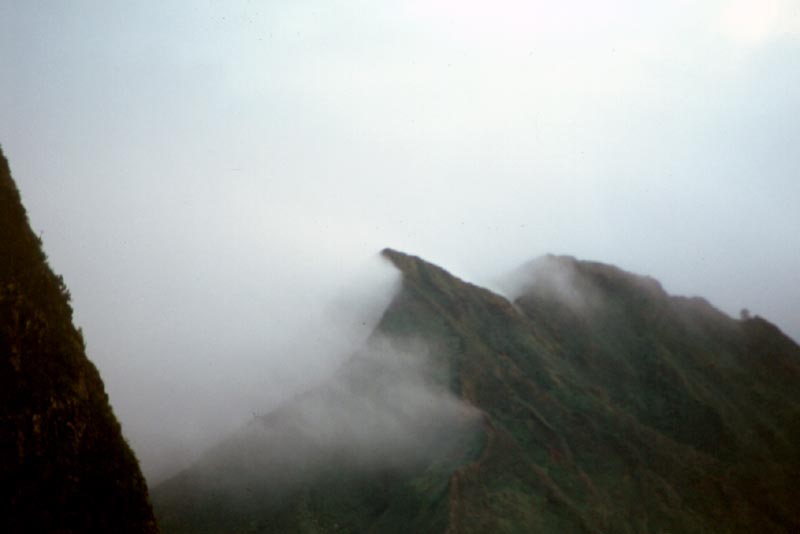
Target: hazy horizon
[[215, 181]]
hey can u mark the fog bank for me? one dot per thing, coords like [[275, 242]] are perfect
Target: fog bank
[[207, 176], [208, 373], [382, 411]]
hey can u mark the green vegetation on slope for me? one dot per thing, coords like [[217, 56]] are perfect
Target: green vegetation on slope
[[64, 465], [605, 405], [616, 408]]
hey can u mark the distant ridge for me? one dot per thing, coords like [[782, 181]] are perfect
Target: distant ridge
[[603, 405]]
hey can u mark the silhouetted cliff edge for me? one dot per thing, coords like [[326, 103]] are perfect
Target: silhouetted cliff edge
[[64, 465]]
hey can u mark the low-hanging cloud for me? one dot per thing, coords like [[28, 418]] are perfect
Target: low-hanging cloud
[[576, 285], [553, 278], [189, 392], [382, 410]]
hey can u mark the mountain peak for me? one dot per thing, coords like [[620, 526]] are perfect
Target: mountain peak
[[405, 262], [553, 269]]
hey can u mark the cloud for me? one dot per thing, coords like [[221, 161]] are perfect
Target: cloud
[[380, 411], [226, 347]]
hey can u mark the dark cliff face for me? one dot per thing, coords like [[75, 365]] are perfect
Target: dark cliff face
[[599, 402], [64, 465]]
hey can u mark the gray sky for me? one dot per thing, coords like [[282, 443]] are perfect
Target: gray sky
[[209, 176]]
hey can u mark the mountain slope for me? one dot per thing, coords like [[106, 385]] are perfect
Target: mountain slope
[[636, 411], [64, 465], [593, 402]]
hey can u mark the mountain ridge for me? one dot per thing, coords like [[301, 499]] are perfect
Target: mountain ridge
[[604, 405]]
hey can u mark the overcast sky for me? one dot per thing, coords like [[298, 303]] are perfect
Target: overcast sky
[[211, 177]]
